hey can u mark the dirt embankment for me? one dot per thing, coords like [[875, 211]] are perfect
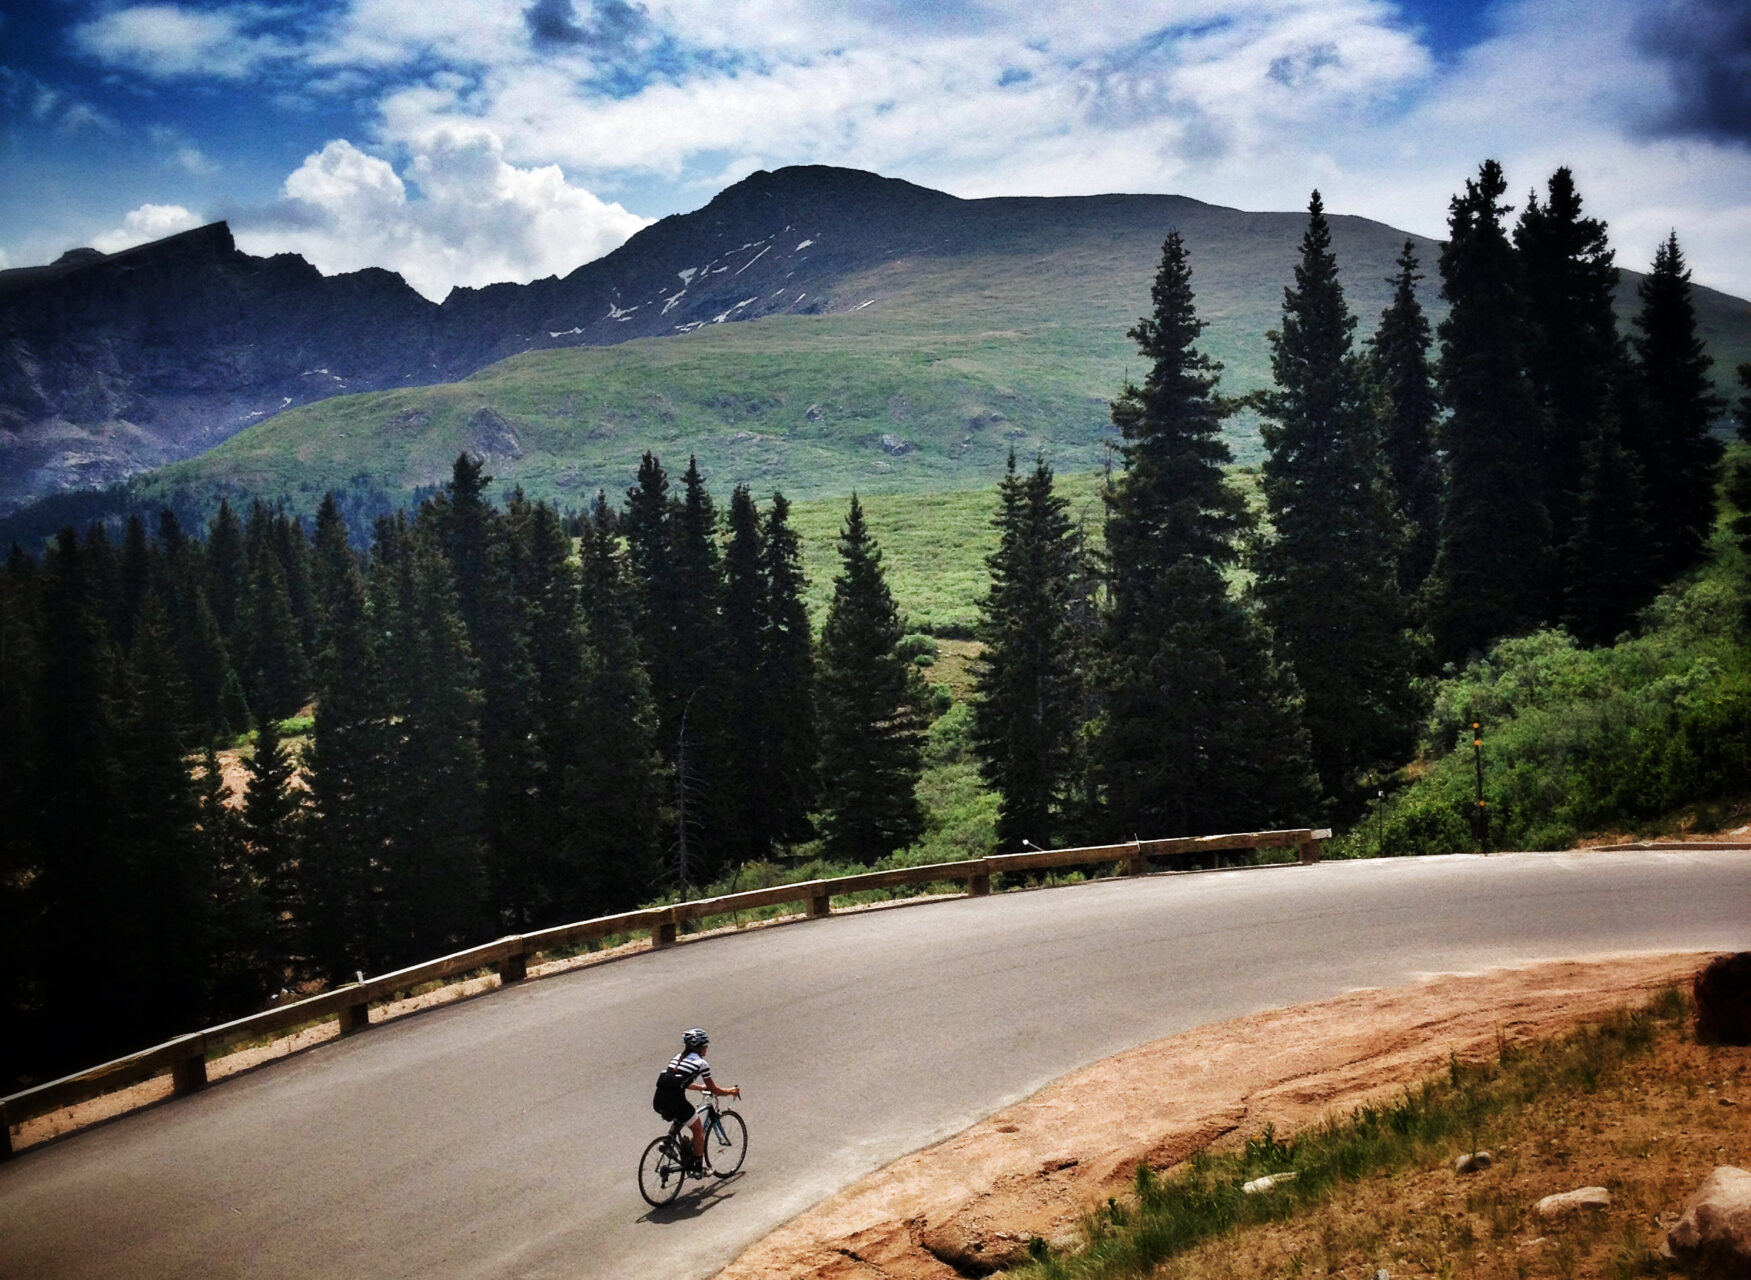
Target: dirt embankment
[[1034, 1168]]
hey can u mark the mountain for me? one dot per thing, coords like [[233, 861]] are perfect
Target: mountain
[[905, 339]]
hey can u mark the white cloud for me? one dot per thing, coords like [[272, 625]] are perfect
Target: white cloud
[[472, 218], [148, 222], [1242, 102], [170, 41]]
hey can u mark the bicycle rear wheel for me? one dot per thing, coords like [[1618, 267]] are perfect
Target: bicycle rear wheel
[[726, 1143], [660, 1174]]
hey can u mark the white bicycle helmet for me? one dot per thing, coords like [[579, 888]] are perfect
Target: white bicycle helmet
[[694, 1039]]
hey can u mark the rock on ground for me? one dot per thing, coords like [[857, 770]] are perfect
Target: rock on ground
[[1580, 1200], [1717, 1221]]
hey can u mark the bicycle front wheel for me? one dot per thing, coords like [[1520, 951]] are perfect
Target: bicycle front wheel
[[726, 1143], [660, 1174]]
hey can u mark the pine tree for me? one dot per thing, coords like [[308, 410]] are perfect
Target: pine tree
[[272, 807], [619, 784], [704, 683], [481, 553], [332, 558], [227, 569], [1026, 695], [870, 706], [788, 740], [348, 768], [1678, 456], [242, 965], [162, 946], [275, 671], [673, 553], [1574, 356], [1200, 729], [558, 652], [1494, 569], [1406, 408], [1327, 575], [84, 891], [435, 880], [746, 835]]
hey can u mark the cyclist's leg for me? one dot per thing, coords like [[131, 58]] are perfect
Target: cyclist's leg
[[696, 1131]]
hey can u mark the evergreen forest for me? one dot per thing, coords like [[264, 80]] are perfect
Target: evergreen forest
[[484, 715]]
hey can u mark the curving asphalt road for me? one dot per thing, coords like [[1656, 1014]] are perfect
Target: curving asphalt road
[[497, 1138]]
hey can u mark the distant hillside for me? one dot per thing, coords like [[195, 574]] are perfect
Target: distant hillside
[[905, 340]]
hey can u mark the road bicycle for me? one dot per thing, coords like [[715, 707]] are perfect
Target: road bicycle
[[661, 1171]]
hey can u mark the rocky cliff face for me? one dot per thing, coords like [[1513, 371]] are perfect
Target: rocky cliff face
[[112, 364], [109, 364]]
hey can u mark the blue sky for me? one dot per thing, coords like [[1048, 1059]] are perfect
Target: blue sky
[[511, 139]]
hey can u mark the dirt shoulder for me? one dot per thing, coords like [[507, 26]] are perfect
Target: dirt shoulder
[[1034, 1168]]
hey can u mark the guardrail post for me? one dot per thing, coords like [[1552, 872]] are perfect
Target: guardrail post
[[513, 968], [5, 1134], [189, 1075], [979, 885], [354, 1018], [663, 934], [1136, 864], [819, 904], [1309, 848]]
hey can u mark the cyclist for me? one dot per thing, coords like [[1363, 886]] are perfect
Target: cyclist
[[689, 1070]]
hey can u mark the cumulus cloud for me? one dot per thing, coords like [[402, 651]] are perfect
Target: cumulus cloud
[[148, 222], [460, 214], [504, 115], [172, 41]]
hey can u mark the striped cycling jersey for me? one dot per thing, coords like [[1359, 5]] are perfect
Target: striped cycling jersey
[[691, 1067]]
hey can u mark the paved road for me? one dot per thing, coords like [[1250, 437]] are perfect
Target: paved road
[[497, 1138]]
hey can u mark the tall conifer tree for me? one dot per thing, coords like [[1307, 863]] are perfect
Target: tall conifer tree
[[870, 706], [558, 651], [1678, 456], [619, 787], [789, 745], [1201, 730], [746, 835], [349, 772], [1495, 566], [1404, 389], [477, 543], [1327, 576], [1574, 356], [272, 806], [1027, 694], [435, 896]]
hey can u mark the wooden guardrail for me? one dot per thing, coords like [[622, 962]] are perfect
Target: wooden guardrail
[[186, 1056]]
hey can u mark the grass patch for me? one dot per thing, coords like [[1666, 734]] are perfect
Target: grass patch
[[1632, 1104]]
